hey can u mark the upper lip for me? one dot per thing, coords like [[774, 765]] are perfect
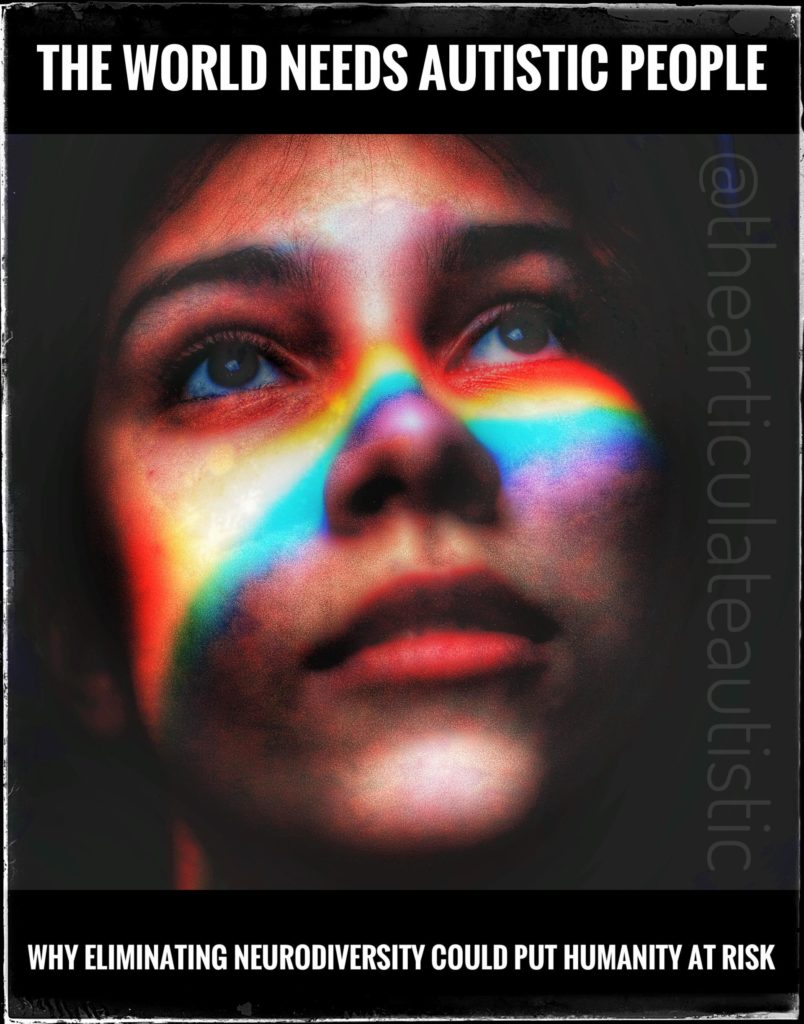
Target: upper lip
[[471, 601]]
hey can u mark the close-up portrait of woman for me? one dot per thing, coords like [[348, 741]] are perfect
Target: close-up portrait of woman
[[355, 491]]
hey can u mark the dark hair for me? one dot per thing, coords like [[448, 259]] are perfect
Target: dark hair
[[76, 206]]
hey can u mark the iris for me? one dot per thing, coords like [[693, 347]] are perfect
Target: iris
[[520, 333], [228, 368]]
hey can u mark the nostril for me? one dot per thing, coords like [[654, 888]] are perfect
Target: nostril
[[371, 497], [467, 483], [411, 454], [456, 491]]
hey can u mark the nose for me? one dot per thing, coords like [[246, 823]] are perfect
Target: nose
[[411, 453]]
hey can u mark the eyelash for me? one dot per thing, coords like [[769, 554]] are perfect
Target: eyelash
[[556, 305], [174, 376]]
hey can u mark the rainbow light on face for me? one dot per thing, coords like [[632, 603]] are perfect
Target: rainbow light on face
[[560, 421]]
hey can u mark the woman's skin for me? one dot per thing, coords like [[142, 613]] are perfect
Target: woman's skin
[[381, 526]]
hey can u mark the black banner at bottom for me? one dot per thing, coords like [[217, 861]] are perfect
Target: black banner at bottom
[[269, 955]]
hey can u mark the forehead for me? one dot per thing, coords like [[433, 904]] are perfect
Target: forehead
[[345, 192]]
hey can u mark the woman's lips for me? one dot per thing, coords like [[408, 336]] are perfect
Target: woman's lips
[[440, 655], [434, 630]]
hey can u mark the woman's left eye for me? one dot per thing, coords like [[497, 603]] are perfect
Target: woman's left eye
[[519, 333], [230, 367]]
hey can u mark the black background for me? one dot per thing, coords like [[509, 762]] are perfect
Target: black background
[[422, 917]]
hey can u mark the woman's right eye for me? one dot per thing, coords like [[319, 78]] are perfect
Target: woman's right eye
[[230, 365]]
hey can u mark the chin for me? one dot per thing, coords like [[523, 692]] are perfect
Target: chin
[[434, 791]]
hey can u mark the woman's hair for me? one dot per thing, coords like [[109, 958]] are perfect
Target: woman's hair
[[76, 207]]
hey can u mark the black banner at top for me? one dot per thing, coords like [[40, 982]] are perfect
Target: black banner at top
[[211, 68]]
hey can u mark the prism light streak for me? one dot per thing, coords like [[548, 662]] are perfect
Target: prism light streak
[[558, 420]]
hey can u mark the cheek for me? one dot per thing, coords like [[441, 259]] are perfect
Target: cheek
[[565, 437], [192, 519], [579, 471], [570, 462], [587, 543]]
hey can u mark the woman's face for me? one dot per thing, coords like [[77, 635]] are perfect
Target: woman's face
[[380, 525]]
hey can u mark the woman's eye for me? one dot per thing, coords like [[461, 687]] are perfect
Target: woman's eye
[[229, 367], [518, 334]]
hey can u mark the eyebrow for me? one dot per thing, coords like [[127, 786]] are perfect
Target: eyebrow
[[252, 266], [483, 245], [471, 248]]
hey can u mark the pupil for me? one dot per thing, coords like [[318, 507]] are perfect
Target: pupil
[[525, 332], [233, 365]]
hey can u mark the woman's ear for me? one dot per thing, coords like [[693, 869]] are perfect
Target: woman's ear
[[93, 692], [100, 704]]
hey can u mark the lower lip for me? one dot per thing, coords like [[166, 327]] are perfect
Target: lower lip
[[437, 657]]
